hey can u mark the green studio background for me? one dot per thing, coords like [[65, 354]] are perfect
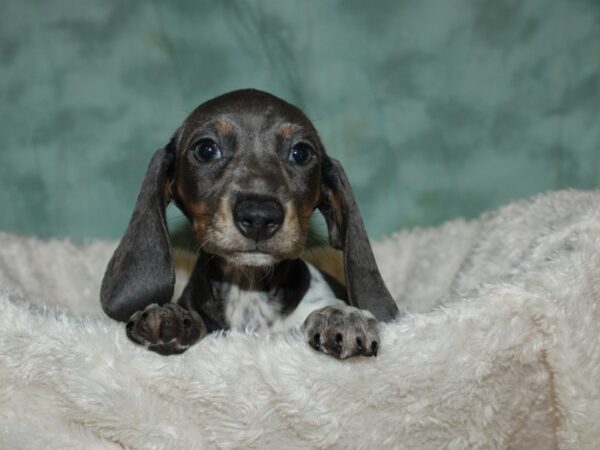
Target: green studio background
[[436, 108]]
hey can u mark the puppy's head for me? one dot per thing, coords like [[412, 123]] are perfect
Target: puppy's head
[[248, 170], [247, 174]]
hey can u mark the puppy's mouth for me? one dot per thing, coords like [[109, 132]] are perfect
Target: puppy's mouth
[[255, 254], [253, 258]]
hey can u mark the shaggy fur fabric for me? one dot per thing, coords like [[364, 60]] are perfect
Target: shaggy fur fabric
[[499, 350]]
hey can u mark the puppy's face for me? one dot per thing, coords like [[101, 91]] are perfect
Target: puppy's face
[[248, 177]]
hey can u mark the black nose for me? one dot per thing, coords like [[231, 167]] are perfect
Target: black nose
[[258, 218]]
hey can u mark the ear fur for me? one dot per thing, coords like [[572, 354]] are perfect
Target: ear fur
[[141, 270], [366, 289]]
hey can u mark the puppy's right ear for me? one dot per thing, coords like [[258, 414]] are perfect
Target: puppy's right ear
[[141, 270]]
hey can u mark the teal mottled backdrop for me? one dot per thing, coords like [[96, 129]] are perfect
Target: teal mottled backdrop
[[437, 108]]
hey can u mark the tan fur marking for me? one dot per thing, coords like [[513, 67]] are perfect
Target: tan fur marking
[[223, 127], [337, 208], [222, 213], [327, 259], [222, 232], [184, 259], [181, 196], [199, 217], [168, 193], [287, 130], [305, 214], [291, 225], [291, 218]]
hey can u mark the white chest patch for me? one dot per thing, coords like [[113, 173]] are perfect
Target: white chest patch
[[255, 310], [249, 310]]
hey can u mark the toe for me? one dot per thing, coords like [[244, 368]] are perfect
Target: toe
[[148, 327], [169, 327], [372, 338], [371, 349], [192, 328], [333, 344], [130, 329], [315, 340]]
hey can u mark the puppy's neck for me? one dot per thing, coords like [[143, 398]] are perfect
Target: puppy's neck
[[288, 278], [246, 277]]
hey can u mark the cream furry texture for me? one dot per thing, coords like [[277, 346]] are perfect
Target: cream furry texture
[[511, 359]]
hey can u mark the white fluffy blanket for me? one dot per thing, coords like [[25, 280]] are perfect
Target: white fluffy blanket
[[511, 359]]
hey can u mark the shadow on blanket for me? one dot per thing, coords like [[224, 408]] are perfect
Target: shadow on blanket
[[499, 350]]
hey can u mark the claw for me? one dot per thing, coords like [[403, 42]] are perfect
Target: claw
[[317, 340], [374, 347]]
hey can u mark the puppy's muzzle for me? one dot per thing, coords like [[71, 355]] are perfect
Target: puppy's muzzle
[[258, 218]]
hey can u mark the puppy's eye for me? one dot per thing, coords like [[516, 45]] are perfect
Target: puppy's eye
[[207, 150], [300, 153]]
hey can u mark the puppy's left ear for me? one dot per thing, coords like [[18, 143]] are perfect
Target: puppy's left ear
[[366, 289], [141, 270]]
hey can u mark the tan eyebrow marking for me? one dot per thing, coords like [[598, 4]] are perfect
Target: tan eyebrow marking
[[223, 127], [287, 130]]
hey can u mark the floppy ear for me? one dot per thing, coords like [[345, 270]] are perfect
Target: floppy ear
[[366, 289], [141, 270]]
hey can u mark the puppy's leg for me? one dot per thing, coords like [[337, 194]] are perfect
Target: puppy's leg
[[342, 331], [167, 329]]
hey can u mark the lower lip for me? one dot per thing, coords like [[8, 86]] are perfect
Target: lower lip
[[253, 258]]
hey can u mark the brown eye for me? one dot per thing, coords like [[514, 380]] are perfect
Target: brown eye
[[301, 154], [207, 150]]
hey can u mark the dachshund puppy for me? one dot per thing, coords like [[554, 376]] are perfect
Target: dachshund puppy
[[248, 170]]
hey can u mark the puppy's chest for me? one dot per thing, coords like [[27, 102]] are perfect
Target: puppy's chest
[[250, 309]]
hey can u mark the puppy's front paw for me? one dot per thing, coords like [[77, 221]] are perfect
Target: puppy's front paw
[[166, 329], [342, 331]]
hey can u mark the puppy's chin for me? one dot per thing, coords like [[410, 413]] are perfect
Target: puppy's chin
[[251, 259]]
